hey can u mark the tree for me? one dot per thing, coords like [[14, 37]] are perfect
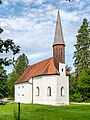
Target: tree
[[82, 63], [84, 84], [82, 53], [3, 83], [5, 47], [12, 77], [21, 64]]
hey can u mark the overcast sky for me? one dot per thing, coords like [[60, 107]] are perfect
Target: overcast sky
[[31, 24]]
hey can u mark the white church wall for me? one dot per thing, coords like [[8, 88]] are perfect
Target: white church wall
[[23, 92], [62, 82], [43, 82], [62, 90]]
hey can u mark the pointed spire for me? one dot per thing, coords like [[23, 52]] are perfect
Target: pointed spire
[[58, 39]]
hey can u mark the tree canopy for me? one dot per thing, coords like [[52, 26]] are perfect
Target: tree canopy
[[3, 83], [21, 64], [80, 83], [5, 47], [82, 53]]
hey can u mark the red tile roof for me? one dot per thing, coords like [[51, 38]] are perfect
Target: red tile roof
[[40, 68]]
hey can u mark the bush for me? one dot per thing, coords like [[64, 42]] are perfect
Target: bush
[[78, 97]]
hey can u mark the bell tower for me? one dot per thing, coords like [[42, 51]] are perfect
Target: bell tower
[[58, 45]]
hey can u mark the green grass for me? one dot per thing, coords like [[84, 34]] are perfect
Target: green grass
[[43, 112]]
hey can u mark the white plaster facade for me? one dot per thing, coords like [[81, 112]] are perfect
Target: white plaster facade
[[59, 84]]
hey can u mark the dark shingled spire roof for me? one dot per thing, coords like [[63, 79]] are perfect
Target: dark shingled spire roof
[[58, 39]]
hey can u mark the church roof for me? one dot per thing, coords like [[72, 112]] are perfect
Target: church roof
[[58, 39], [41, 68]]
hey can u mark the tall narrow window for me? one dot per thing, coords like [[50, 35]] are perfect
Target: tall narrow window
[[62, 91], [61, 54], [37, 91], [49, 91]]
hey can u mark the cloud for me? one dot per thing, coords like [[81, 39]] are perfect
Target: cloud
[[27, 2], [33, 29]]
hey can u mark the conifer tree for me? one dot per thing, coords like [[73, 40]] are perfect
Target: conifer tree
[[82, 53], [21, 64]]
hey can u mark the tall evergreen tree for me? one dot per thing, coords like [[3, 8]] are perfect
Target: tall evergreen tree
[[82, 62], [21, 64], [82, 53]]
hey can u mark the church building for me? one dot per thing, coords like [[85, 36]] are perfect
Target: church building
[[46, 82]]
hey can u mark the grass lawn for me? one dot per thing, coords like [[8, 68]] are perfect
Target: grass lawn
[[43, 112]]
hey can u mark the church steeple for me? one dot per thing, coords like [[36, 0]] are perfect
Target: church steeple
[[58, 45], [58, 39]]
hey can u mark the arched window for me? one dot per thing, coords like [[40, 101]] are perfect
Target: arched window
[[37, 91], [62, 91], [49, 91]]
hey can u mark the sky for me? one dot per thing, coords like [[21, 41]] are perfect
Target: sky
[[31, 25]]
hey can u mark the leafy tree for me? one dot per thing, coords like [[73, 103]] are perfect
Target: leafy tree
[[5, 47], [21, 64], [82, 53], [84, 84], [12, 77], [3, 83], [72, 87], [74, 92]]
